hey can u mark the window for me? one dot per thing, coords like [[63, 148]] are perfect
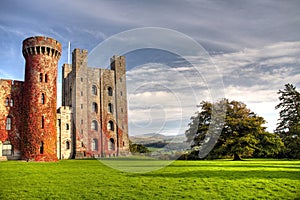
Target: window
[[82, 121], [67, 127], [42, 147], [42, 122], [46, 78], [121, 93], [6, 101], [110, 126], [121, 109], [110, 108], [94, 125], [67, 145], [7, 149], [81, 93], [81, 106], [43, 99], [11, 102], [110, 91], [41, 77], [111, 144], [94, 144], [94, 90], [8, 123], [81, 79], [94, 107]]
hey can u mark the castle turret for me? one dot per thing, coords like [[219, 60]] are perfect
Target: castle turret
[[40, 97]]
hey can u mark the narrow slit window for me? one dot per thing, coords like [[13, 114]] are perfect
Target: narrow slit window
[[42, 122], [67, 145], [41, 77], [110, 108], [110, 91], [43, 98], [42, 148], [46, 78]]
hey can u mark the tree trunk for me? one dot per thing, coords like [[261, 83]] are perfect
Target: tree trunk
[[236, 157]]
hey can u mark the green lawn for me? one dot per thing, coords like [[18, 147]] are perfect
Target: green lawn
[[90, 179]]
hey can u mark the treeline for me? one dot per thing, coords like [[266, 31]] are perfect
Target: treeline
[[239, 132]]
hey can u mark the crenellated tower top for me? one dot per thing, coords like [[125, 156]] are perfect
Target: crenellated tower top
[[41, 45]]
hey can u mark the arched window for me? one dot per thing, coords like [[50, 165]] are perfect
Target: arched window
[[94, 125], [95, 107], [110, 91], [7, 101], [94, 144], [8, 123], [94, 90], [11, 102], [110, 126], [67, 127], [41, 77], [46, 78], [43, 98], [111, 144], [110, 108], [42, 122], [67, 145]]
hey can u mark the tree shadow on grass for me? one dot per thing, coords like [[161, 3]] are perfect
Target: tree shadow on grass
[[226, 174]]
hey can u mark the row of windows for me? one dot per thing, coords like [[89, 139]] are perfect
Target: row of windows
[[9, 102], [111, 144], [110, 107], [109, 90], [94, 125], [94, 91], [9, 123], [43, 78]]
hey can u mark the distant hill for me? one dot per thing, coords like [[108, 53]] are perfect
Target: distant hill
[[149, 138]]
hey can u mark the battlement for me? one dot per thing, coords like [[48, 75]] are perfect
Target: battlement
[[11, 82], [41, 45], [80, 51]]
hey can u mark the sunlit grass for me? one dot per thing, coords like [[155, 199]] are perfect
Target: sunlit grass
[[91, 179]]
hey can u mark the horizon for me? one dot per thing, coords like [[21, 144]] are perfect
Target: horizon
[[254, 46]]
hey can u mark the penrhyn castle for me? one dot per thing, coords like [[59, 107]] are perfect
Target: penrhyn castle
[[91, 122]]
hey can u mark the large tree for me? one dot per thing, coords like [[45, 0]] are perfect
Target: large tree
[[289, 122], [242, 135]]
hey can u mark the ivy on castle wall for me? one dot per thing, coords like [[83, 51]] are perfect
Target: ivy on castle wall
[[39, 136]]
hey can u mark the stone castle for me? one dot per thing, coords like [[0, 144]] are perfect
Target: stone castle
[[91, 122]]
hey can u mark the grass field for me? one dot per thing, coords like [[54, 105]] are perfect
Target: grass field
[[90, 179]]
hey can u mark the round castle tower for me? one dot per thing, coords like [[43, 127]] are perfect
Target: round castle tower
[[39, 98]]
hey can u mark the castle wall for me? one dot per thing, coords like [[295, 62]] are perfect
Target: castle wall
[[95, 96], [64, 133], [11, 107]]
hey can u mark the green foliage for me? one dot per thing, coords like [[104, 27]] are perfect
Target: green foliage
[[90, 179], [289, 122], [243, 133], [138, 148]]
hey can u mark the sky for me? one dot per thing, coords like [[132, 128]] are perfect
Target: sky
[[252, 49]]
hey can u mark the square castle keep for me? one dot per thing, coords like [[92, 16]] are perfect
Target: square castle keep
[[91, 122]]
